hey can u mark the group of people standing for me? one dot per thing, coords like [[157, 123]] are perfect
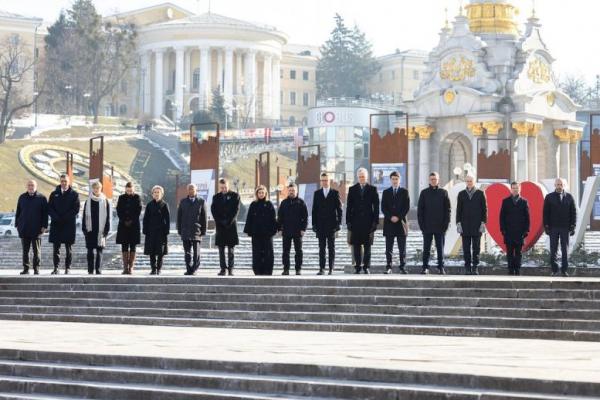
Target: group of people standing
[[263, 222]]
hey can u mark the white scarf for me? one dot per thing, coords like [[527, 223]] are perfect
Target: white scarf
[[101, 216]]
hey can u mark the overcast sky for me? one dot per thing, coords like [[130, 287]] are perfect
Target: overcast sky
[[570, 28]]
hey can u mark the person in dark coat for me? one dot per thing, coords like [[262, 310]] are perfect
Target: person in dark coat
[[156, 226], [95, 224], [129, 208], [471, 217], [326, 221], [225, 208], [362, 218], [514, 225], [395, 203], [191, 226], [560, 218], [261, 226], [31, 220], [433, 213], [292, 219], [63, 207]]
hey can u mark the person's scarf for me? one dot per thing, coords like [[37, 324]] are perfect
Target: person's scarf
[[101, 216]]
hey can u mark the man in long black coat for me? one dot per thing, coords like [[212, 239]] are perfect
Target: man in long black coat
[[63, 207], [31, 220], [433, 213], [191, 226], [292, 219], [395, 203], [362, 218], [560, 218], [224, 208], [514, 225], [471, 217], [326, 221]]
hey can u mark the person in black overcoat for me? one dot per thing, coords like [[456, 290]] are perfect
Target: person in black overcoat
[[433, 213], [31, 220], [395, 204], [63, 207], [471, 217], [191, 226], [261, 226], [362, 218], [225, 208], [560, 219], [156, 227], [95, 224], [129, 208], [514, 225], [326, 221], [292, 219]]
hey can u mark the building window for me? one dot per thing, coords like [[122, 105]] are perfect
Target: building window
[[281, 97], [416, 74], [292, 121], [292, 74], [196, 79], [305, 75], [393, 75], [305, 99], [293, 98], [122, 109]]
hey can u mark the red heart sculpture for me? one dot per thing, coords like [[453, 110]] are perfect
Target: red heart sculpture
[[534, 194]]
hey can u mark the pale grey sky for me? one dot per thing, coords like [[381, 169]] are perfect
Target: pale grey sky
[[570, 28]]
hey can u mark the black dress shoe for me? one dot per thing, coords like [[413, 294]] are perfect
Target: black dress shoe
[[230, 271], [357, 270], [98, 272], [153, 272], [24, 272], [441, 271], [321, 272], [36, 271], [403, 270], [330, 271], [221, 273], [54, 271], [517, 272], [564, 273], [388, 270], [285, 272], [67, 270], [554, 273], [366, 271], [298, 272], [425, 271]]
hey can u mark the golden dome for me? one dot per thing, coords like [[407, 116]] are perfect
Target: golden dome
[[492, 17]]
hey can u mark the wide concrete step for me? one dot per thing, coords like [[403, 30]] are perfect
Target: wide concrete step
[[44, 375]]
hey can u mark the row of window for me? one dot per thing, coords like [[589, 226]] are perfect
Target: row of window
[[293, 101], [305, 75], [416, 75]]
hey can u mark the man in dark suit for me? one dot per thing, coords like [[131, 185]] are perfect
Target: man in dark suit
[[191, 226], [433, 213], [31, 220], [292, 219], [362, 218], [225, 207], [326, 221], [63, 207], [471, 217], [514, 225], [395, 204], [560, 218]]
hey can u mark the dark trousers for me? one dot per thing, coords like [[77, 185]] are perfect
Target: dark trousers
[[329, 242], [471, 249], [285, 255], [56, 254], [557, 234], [514, 256], [362, 255], [94, 262], [439, 248], [191, 249], [262, 255], [35, 244], [156, 262], [230, 257], [389, 249]]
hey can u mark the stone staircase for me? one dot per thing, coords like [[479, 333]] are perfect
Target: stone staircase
[[41, 375], [543, 308]]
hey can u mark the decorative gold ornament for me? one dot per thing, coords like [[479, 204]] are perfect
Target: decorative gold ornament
[[551, 99], [492, 127], [538, 71], [492, 18], [457, 70], [476, 128], [424, 131], [449, 96], [412, 134], [525, 128], [564, 134], [575, 136]]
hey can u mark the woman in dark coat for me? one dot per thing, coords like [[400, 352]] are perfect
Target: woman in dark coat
[[95, 224], [129, 208], [157, 223], [224, 208], [261, 226]]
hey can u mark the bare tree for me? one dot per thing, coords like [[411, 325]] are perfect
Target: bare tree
[[16, 67]]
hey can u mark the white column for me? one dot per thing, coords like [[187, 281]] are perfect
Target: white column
[[250, 83], [204, 77], [228, 81], [179, 79], [238, 72], [574, 180], [564, 160], [276, 88], [412, 185], [532, 156], [220, 70], [188, 71], [267, 102], [146, 84], [423, 163], [522, 169], [158, 82]]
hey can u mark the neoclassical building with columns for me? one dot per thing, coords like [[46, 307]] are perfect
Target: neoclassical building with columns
[[489, 86], [184, 57]]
